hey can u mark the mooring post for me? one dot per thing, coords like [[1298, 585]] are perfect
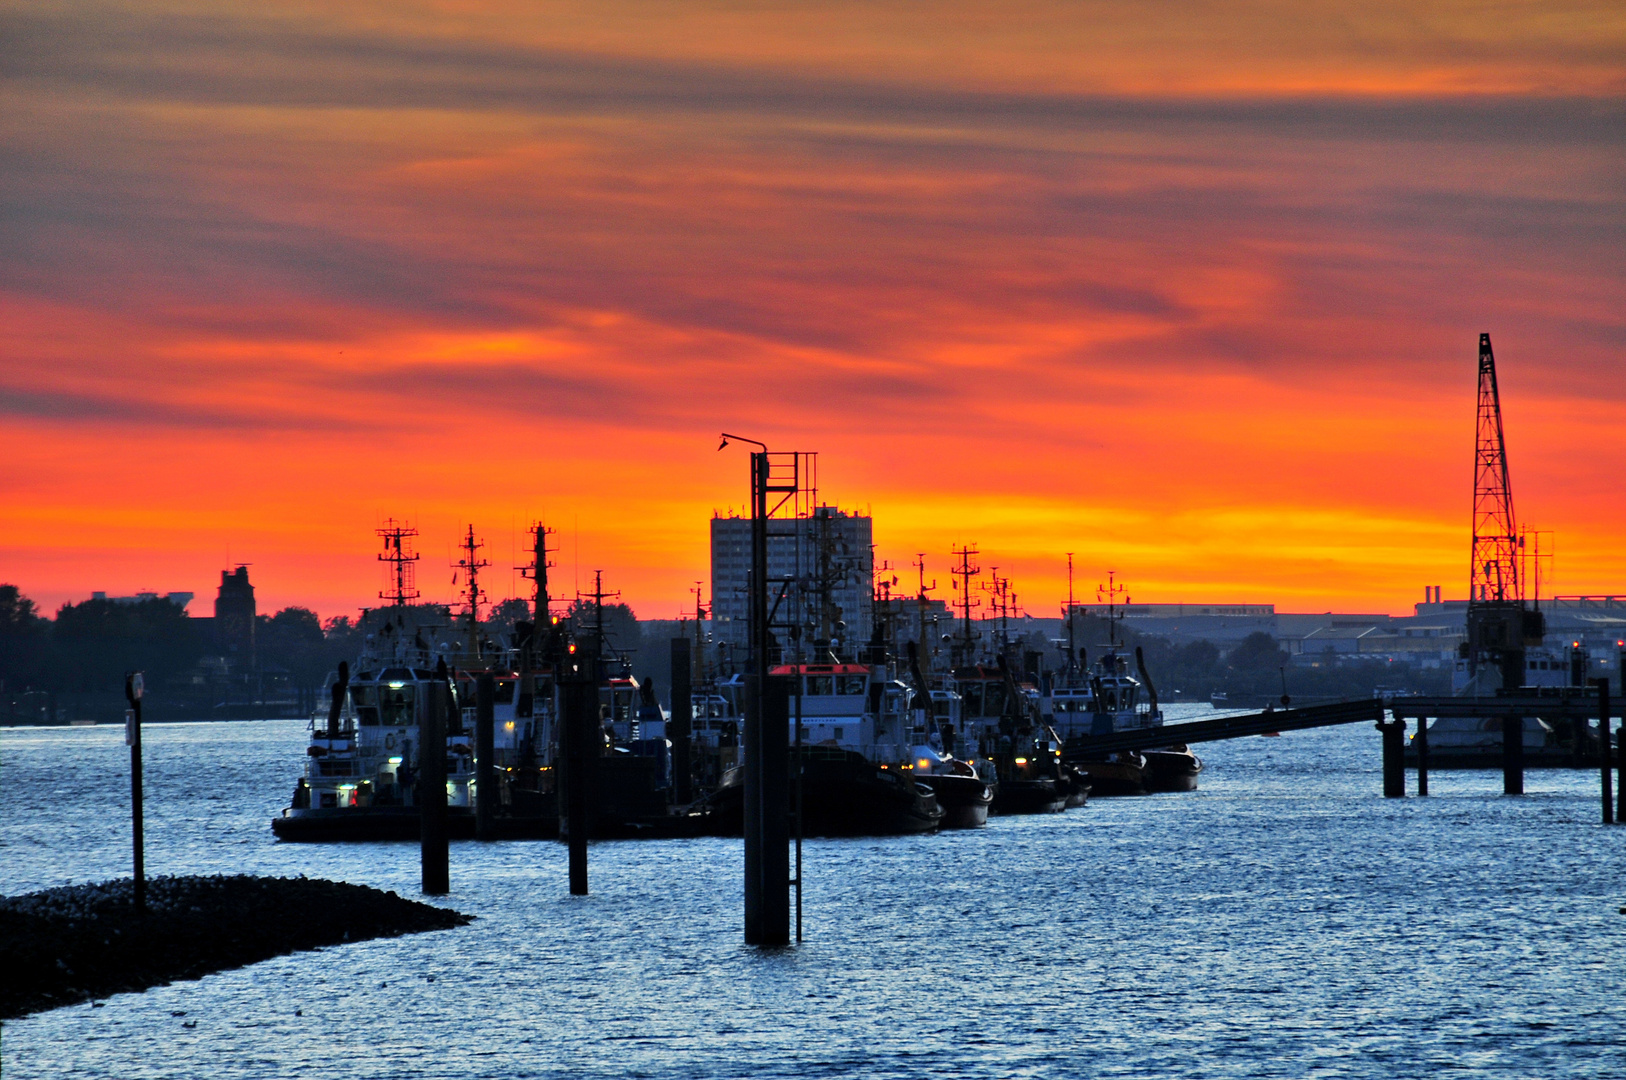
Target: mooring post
[[751, 765], [681, 725], [1605, 752], [767, 813], [435, 849], [1512, 755], [1394, 758], [1620, 751], [582, 737], [485, 752], [1420, 741], [776, 812], [133, 688]]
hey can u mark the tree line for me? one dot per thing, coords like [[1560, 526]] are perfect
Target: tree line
[[86, 649]]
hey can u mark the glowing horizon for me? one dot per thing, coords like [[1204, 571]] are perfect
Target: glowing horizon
[[1193, 294]]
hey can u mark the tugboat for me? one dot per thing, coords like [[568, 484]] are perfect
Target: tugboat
[[857, 759], [1115, 703], [963, 791], [363, 756], [1026, 753], [853, 744], [362, 761]]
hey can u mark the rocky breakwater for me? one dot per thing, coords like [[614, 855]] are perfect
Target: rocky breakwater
[[80, 942]]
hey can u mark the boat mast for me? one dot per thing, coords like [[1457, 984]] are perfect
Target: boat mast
[[697, 661], [538, 572], [965, 572], [1072, 644], [398, 552], [920, 603], [471, 564], [598, 596], [1111, 590]]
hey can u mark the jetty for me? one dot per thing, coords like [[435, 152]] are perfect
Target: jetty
[[82, 942]]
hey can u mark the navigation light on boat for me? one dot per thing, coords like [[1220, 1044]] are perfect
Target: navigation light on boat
[[1021, 761], [396, 685], [395, 761], [509, 725], [923, 763]]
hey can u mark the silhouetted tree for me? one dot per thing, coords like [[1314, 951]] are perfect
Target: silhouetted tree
[[341, 640], [292, 639], [499, 625], [621, 633], [24, 640], [98, 641]]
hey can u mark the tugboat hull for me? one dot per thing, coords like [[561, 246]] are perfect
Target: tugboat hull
[[526, 815], [1029, 797], [1109, 779], [1077, 786], [388, 823], [843, 794], [1171, 770], [965, 800]]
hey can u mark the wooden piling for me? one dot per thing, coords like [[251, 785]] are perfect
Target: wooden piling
[[1605, 751], [582, 737], [435, 849], [681, 725], [1394, 758], [1512, 755], [485, 753], [1420, 741]]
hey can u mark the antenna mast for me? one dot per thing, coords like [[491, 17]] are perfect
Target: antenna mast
[[398, 552]]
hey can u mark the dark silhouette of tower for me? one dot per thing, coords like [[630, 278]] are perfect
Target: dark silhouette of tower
[[235, 616]]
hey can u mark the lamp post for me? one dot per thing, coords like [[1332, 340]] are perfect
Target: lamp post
[[767, 866]]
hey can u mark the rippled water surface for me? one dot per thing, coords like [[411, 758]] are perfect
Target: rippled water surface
[[1284, 921]]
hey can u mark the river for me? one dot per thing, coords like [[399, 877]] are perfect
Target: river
[[1284, 921]]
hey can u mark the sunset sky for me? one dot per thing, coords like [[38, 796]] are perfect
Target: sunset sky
[[1191, 290]]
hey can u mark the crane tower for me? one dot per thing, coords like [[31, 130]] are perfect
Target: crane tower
[[1499, 625]]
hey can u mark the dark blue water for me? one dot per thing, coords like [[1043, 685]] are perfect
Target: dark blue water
[[1284, 921]]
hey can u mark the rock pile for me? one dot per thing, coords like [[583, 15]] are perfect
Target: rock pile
[[80, 942]]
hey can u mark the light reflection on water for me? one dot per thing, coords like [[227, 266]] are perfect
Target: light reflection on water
[[1284, 921]]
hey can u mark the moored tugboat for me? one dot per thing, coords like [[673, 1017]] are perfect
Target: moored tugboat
[[362, 761], [1115, 703]]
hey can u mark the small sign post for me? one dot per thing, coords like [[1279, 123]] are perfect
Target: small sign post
[[133, 687]]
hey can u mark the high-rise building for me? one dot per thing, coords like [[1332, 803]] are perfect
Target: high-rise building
[[829, 550]]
